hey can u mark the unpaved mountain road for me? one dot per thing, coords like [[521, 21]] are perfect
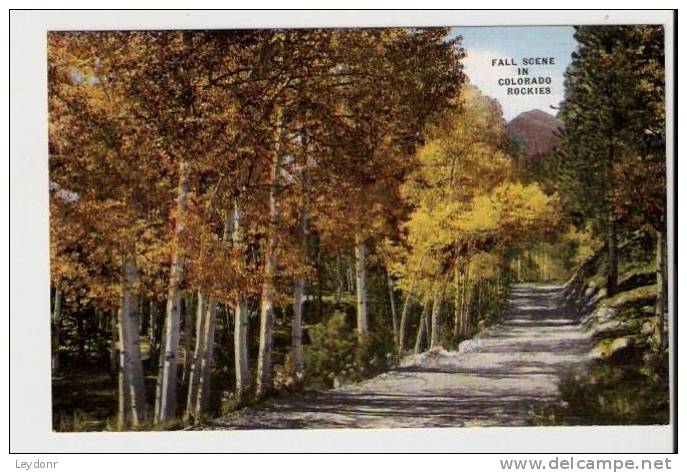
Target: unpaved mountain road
[[502, 377]]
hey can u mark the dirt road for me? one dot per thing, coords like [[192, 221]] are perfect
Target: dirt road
[[499, 378]]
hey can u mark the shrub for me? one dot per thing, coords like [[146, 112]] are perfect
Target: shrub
[[332, 349]]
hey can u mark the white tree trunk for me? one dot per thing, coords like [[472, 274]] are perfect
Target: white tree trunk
[[201, 364], [131, 376], [299, 290], [169, 374], [406, 308], [264, 374], [160, 368], [198, 352], [392, 301], [404, 321], [203, 396], [206, 337], [297, 330], [123, 386], [422, 326], [264, 370], [241, 366], [361, 286]]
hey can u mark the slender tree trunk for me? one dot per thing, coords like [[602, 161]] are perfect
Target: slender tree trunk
[[403, 324], [194, 377], [241, 365], [456, 300], [339, 280], [297, 331], [160, 368], [463, 300], [361, 286], [468, 311], [662, 286], [612, 264], [422, 325], [319, 275], [466, 314], [299, 290], [349, 277], [130, 350], [152, 324], [114, 342], [169, 373], [205, 335], [56, 326], [465, 303], [426, 321], [153, 353], [264, 374], [406, 308], [480, 291], [123, 386], [203, 396], [187, 304], [436, 312], [392, 301]]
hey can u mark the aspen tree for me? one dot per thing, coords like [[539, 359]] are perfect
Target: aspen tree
[[299, 288], [194, 379], [242, 368], [264, 370], [169, 373], [133, 403]]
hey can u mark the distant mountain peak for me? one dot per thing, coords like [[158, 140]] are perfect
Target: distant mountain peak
[[536, 130], [535, 112]]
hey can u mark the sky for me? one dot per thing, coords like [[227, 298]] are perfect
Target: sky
[[484, 43]]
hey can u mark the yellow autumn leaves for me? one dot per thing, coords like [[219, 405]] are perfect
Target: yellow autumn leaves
[[470, 204]]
